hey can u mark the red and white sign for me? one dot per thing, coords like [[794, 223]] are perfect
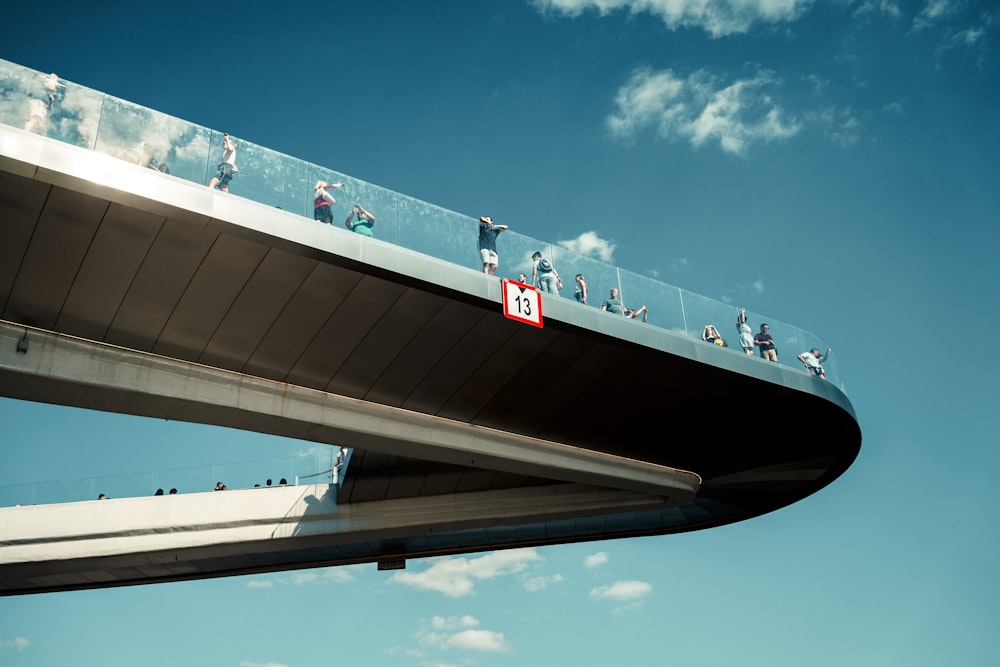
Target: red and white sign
[[522, 303]]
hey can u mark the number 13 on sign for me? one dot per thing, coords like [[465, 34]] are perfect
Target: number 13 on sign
[[522, 303]]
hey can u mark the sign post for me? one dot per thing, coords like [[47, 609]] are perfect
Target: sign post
[[522, 303]]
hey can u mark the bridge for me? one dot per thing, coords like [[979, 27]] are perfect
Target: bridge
[[128, 286]]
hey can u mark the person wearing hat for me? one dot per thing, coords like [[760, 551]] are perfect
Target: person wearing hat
[[488, 233], [544, 276]]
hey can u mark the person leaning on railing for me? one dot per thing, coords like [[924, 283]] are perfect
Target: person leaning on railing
[[813, 361], [488, 233], [323, 200], [360, 221], [581, 289], [227, 167]]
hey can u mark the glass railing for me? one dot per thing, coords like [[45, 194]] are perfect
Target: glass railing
[[312, 468], [78, 115]]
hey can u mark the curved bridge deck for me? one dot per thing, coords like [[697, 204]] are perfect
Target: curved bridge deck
[[146, 294]]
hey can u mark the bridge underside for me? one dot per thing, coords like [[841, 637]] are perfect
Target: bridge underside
[[229, 312]]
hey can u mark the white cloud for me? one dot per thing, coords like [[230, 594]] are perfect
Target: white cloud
[[971, 36], [342, 574], [467, 640], [888, 8], [717, 18], [479, 640], [467, 636], [452, 622], [955, 34], [595, 560], [701, 109], [622, 591], [260, 583], [456, 577], [589, 244], [840, 126], [17, 643], [539, 583], [246, 663], [935, 11]]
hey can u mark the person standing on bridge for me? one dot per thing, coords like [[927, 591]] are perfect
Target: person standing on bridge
[[544, 276], [746, 336], [612, 304], [581, 289], [227, 167], [488, 233], [360, 221], [323, 200], [764, 341]]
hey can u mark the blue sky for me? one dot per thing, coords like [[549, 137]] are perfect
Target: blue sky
[[833, 164]]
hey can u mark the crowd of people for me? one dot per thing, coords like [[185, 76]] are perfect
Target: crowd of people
[[812, 360], [338, 465], [546, 279], [544, 275]]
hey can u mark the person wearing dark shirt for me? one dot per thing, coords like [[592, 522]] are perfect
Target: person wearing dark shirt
[[764, 341], [488, 233]]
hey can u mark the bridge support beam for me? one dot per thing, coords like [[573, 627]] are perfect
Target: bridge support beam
[[71, 371], [165, 538]]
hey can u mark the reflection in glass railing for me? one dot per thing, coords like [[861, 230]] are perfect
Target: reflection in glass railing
[[320, 467], [46, 105]]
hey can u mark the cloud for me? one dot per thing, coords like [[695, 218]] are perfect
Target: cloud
[[589, 244], [934, 12], [452, 622], [701, 109], [456, 577], [342, 574], [17, 643], [888, 8], [623, 591], [718, 18], [840, 126], [467, 635], [955, 34], [595, 560], [538, 583], [246, 663]]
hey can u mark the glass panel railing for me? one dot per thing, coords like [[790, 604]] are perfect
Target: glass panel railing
[[663, 302], [313, 468], [382, 203], [599, 276], [702, 312], [178, 149], [436, 231], [138, 135]]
